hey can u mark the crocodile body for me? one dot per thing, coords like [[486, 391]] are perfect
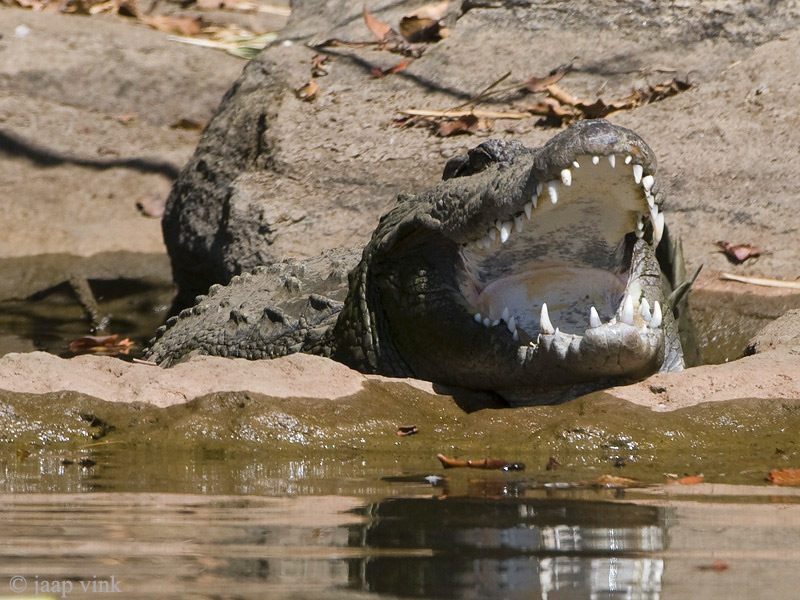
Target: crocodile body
[[524, 271]]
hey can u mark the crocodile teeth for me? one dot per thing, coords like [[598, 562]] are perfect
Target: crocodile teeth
[[576, 164], [628, 159], [595, 160], [612, 160], [518, 223], [638, 170], [505, 231], [647, 182], [486, 322], [552, 191], [644, 310], [487, 241], [478, 318], [655, 321], [594, 318], [515, 335], [627, 311], [539, 188], [566, 177], [527, 208], [512, 325], [658, 228], [650, 200], [493, 234], [504, 316], [544, 321]]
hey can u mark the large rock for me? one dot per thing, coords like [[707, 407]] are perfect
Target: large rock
[[276, 176]]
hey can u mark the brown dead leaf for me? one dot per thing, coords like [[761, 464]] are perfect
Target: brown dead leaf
[[552, 464], [422, 30], [308, 92], [691, 480], [318, 66], [188, 124], [186, 26], [486, 463], [718, 566], [613, 481], [540, 84], [378, 29], [379, 73], [430, 11], [465, 124], [739, 253], [100, 344], [784, 476], [404, 430], [151, 205]]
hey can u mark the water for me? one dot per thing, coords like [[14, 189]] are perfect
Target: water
[[253, 526]]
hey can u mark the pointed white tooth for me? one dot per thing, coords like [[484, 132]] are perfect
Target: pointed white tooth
[[627, 311], [637, 173], [566, 177], [487, 241], [650, 200], [644, 309], [493, 234], [557, 334], [639, 234], [628, 159], [539, 188], [535, 202], [552, 191], [486, 322], [595, 160], [504, 317], [655, 321], [498, 224], [505, 231], [478, 318], [544, 321], [515, 335], [512, 325], [518, 223], [527, 208], [658, 229], [640, 221], [647, 182], [576, 164], [496, 322], [612, 160], [594, 318]]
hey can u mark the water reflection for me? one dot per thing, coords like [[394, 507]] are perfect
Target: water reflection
[[511, 548]]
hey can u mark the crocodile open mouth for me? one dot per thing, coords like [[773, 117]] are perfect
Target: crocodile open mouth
[[572, 261]]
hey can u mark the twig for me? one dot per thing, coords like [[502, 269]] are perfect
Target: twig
[[476, 99], [776, 283], [481, 114]]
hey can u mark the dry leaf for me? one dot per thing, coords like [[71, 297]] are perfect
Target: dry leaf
[[430, 11], [379, 73], [151, 205], [540, 84], [613, 481], [187, 26], [308, 92], [318, 67], [421, 30], [100, 344], [404, 430], [465, 124], [378, 29], [552, 464], [739, 253], [691, 480], [486, 463], [784, 476]]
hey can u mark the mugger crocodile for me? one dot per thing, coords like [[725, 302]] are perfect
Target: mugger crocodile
[[524, 271]]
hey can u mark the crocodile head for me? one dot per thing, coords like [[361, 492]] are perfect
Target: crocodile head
[[525, 270]]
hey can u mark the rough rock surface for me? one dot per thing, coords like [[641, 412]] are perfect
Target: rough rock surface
[[276, 176]]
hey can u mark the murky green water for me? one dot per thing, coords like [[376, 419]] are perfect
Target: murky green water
[[213, 525]]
